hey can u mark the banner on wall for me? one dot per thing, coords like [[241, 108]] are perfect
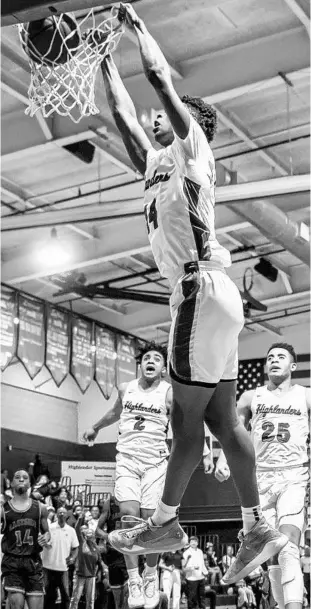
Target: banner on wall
[[81, 367], [8, 327], [105, 360], [126, 362], [31, 334], [57, 344], [97, 475]]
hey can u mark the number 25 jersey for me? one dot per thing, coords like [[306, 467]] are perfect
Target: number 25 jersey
[[143, 423], [179, 204], [280, 428]]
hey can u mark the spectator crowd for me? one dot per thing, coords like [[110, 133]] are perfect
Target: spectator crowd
[[77, 561]]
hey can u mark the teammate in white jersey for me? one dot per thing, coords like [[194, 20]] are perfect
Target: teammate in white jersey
[[206, 308], [142, 409], [278, 417]]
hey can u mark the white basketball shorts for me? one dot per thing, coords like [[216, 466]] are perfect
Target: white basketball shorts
[[207, 318], [283, 496], [136, 481]]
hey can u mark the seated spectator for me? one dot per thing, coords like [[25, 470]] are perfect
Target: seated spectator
[[228, 559], [88, 564], [61, 552], [214, 572], [255, 580]]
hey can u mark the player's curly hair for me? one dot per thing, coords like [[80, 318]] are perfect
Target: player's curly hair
[[152, 346], [285, 346], [203, 113]]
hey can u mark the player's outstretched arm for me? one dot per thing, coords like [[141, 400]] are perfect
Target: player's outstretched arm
[[100, 532], [111, 417], [123, 111], [157, 71]]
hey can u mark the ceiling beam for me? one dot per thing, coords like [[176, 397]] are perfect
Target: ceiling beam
[[300, 14], [224, 194], [124, 238], [232, 123], [8, 87]]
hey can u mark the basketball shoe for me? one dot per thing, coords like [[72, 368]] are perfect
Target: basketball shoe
[[258, 545], [146, 538], [151, 589]]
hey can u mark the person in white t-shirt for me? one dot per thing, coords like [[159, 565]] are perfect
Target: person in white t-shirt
[[195, 573], [61, 552], [206, 307]]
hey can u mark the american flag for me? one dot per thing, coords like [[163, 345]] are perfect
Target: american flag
[[252, 373]]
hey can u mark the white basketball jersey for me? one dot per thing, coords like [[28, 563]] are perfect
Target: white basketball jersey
[[179, 204], [280, 428], [143, 423]]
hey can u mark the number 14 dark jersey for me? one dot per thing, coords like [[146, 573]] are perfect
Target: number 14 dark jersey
[[21, 529]]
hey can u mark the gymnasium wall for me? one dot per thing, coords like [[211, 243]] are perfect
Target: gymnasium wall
[[38, 417]]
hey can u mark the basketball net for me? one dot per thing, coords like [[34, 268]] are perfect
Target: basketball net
[[69, 88]]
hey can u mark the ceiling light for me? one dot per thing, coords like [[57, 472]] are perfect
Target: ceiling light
[[53, 252]]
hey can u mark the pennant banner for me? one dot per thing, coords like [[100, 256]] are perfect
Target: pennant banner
[[31, 334], [82, 368], [8, 327], [126, 362], [57, 344], [105, 360]]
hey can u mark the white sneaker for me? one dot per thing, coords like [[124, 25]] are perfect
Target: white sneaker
[[151, 589], [136, 596]]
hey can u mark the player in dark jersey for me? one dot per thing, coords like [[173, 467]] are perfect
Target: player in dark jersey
[[25, 531], [110, 519]]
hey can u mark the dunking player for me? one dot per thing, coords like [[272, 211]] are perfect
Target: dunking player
[[22, 520], [206, 308], [278, 416], [142, 407]]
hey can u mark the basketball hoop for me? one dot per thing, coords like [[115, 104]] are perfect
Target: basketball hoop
[[69, 88]]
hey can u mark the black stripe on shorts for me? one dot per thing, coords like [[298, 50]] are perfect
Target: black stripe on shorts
[[183, 326]]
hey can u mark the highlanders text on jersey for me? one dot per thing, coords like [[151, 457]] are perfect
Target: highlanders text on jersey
[[280, 428], [179, 204], [144, 423]]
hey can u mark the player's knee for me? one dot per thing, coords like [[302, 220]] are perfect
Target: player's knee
[[292, 578], [16, 601]]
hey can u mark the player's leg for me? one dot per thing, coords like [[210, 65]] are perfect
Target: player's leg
[[152, 482], [291, 515], [15, 600], [13, 581], [130, 487], [223, 421], [35, 601]]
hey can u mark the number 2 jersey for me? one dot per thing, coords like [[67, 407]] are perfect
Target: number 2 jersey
[[280, 428], [179, 205], [143, 423], [21, 529]]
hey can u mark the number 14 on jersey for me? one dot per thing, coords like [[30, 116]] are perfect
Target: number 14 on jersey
[[151, 216]]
